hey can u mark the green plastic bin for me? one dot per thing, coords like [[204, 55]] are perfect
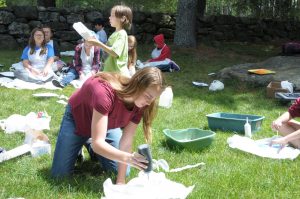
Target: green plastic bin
[[191, 138], [233, 122]]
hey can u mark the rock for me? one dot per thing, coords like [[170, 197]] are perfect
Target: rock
[[8, 42], [28, 12], [286, 68], [19, 29], [6, 17], [91, 16]]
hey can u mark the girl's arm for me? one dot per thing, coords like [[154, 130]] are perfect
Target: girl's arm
[[100, 146], [31, 69], [284, 118], [125, 145], [106, 48], [48, 66]]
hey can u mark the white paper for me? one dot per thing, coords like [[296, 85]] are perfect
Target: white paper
[[84, 32], [18, 151], [8, 74], [45, 95]]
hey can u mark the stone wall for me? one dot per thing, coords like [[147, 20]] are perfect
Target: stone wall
[[17, 22]]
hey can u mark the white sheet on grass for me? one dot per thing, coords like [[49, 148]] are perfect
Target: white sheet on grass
[[20, 84], [262, 148], [151, 186], [20, 123]]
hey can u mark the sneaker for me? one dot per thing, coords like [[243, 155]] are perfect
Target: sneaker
[[57, 83], [88, 146], [174, 66], [80, 157]]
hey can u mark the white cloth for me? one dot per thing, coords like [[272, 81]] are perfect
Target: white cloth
[[86, 60], [262, 148], [216, 85], [146, 186], [20, 123], [36, 60], [19, 84], [287, 85], [156, 52]]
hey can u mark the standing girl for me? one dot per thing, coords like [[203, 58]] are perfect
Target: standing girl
[[117, 44], [132, 55]]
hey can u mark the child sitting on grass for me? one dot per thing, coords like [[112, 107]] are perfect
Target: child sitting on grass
[[288, 127], [161, 56]]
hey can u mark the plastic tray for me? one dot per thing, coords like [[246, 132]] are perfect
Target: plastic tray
[[287, 96], [191, 138], [233, 122]]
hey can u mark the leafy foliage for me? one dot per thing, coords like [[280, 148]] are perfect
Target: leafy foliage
[[277, 9]]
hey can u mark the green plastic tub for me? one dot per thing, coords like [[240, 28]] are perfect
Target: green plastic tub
[[191, 138], [233, 122]]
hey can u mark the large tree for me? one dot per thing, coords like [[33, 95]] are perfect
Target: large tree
[[185, 33], [46, 3]]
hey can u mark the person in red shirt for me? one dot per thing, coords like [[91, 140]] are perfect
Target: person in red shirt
[[108, 108], [288, 127], [161, 56]]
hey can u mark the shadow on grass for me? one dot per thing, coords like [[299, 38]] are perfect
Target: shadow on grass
[[87, 178]]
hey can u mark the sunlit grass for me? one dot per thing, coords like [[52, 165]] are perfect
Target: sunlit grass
[[228, 173]]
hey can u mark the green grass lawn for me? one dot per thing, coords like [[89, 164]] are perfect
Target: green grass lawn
[[228, 173]]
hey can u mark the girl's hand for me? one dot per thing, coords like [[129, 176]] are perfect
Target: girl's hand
[[281, 141], [45, 71], [34, 71], [276, 124], [138, 161]]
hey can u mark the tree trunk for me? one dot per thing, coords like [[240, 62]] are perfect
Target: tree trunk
[[46, 3], [201, 6], [185, 33]]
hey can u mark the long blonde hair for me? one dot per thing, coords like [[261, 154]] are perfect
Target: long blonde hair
[[135, 86], [132, 55], [125, 14]]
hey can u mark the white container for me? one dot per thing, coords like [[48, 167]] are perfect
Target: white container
[[166, 98], [247, 129]]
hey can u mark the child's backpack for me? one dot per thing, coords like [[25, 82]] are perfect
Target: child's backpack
[[291, 48]]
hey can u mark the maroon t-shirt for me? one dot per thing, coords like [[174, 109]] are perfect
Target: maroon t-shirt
[[294, 110], [99, 95]]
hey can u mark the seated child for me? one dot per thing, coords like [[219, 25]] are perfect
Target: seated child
[[37, 59], [58, 63], [86, 63], [161, 56], [132, 55], [288, 127]]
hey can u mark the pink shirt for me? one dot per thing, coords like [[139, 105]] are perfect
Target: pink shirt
[[294, 110], [99, 95]]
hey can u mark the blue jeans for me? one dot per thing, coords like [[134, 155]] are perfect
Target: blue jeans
[[69, 144], [70, 76]]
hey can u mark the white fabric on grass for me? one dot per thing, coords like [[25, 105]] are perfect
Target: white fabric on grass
[[20, 84], [262, 147], [146, 186]]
